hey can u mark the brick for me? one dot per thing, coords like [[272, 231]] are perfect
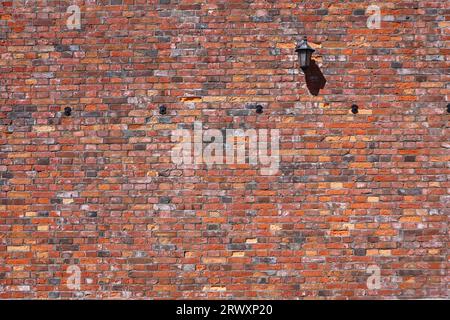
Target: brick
[[98, 188], [214, 289], [209, 260], [18, 248], [238, 254], [44, 128]]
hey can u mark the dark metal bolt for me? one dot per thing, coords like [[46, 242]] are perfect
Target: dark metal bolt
[[355, 109], [162, 109], [259, 109], [67, 111]]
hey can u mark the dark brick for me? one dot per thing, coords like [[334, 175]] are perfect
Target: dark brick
[[359, 12], [43, 161]]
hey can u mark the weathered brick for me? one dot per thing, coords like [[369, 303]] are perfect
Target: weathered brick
[[96, 188]]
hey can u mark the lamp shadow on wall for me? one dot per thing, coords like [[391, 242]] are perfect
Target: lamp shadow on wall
[[315, 79]]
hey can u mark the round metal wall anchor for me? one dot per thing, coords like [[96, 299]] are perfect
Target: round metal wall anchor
[[259, 109], [67, 111], [162, 109], [448, 108], [355, 109]]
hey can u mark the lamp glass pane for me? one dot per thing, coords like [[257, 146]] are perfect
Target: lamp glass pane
[[302, 58], [308, 58]]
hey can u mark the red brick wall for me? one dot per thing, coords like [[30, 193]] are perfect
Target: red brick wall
[[97, 190]]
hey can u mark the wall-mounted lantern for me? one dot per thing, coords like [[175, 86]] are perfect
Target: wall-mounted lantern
[[304, 52]]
